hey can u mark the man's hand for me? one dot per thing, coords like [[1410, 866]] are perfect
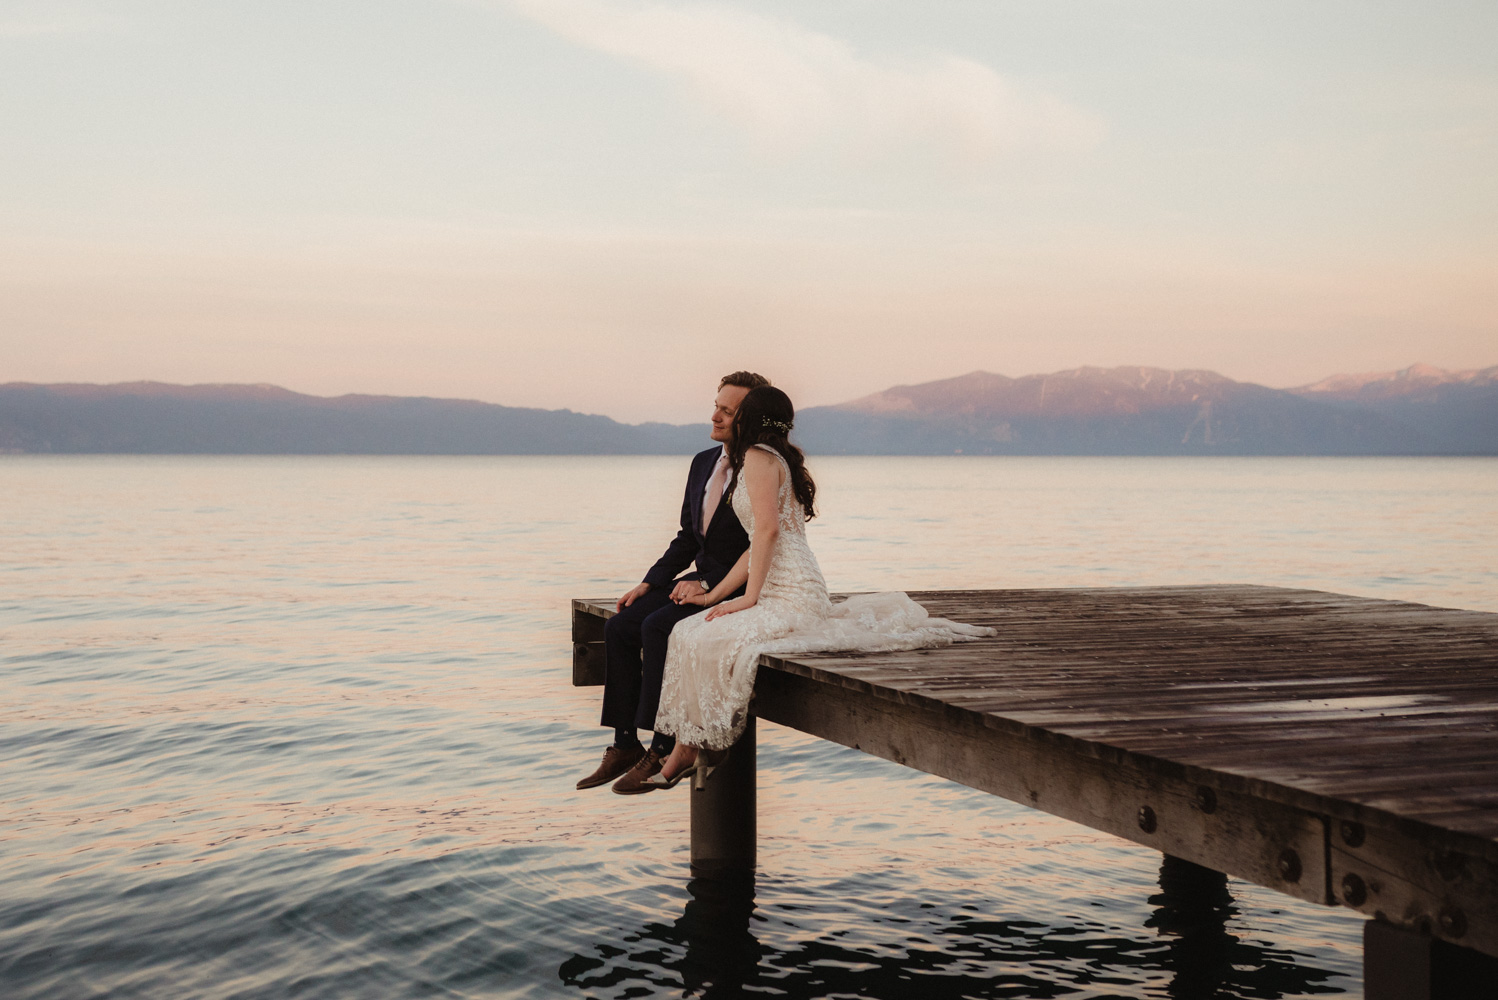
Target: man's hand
[[686, 592], [640, 590]]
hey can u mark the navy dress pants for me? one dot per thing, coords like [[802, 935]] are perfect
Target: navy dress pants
[[634, 658]]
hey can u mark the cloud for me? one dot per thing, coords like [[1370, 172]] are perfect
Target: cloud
[[792, 86]]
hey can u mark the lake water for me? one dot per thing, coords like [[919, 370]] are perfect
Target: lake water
[[302, 727]]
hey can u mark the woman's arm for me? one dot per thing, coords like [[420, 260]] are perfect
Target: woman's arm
[[762, 474], [733, 581]]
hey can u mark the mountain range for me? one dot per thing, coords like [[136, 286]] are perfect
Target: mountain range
[[1418, 410], [1151, 411]]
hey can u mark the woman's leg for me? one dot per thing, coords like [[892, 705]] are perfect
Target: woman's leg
[[682, 756]]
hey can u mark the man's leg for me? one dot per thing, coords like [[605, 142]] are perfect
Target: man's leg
[[655, 633], [621, 686], [622, 646]]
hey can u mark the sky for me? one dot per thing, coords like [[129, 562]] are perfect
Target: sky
[[605, 205]]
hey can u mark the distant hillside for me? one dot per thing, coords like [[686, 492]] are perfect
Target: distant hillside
[[1085, 411], [1424, 382], [1151, 411], [152, 417], [1458, 410]]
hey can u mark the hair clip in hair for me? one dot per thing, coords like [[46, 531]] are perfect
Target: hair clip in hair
[[779, 425]]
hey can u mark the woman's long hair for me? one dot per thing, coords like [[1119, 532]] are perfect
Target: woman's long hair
[[765, 417]]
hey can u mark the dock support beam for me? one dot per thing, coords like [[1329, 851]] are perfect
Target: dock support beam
[[723, 813]]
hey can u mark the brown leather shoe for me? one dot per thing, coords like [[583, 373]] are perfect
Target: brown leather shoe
[[633, 782], [616, 761]]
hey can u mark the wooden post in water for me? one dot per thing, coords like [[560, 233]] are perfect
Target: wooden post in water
[[723, 813], [1404, 964]]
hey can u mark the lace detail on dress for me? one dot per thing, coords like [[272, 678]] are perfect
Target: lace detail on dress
[[711, 665]]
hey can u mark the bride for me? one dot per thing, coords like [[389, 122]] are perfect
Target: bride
[[712, 658]]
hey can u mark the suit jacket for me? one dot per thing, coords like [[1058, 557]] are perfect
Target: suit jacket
[[714, 554]]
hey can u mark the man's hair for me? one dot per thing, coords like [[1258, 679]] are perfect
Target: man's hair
[[746, 380]]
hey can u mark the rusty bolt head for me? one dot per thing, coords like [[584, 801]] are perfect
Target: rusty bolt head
[[1289, 865], [1453, 921], [1206, 799], [1147, 821], [1352, 833], [1450, 865], [1354, 892]]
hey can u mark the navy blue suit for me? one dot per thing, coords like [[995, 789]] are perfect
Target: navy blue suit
[[635, 639]]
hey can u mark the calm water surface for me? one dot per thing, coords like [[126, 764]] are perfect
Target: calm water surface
[[301, 727]]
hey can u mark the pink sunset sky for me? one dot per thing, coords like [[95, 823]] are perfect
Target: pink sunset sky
[[606, 204]]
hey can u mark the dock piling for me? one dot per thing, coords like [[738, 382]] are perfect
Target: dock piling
[[724, 826], [1404, 964]]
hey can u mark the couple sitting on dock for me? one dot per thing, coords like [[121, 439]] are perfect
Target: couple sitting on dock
[[682, 650]]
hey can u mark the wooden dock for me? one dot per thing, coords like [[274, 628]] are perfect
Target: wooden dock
[[1338, 749]]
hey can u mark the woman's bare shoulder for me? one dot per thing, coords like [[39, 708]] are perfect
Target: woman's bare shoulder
[[763, 465], [759, 457]]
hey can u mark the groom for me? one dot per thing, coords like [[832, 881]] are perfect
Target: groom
[[634, 640]]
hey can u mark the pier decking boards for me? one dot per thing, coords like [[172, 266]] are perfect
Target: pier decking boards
[[1339, 749]]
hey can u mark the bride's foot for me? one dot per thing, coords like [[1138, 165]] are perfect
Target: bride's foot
[[680, 759]]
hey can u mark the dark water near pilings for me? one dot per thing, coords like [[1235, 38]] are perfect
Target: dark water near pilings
[[905, 948], [299, 728]]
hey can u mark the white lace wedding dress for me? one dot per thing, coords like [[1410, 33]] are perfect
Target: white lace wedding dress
[[710, 665]]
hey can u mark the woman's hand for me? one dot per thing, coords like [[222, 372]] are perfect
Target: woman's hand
[[729, 607]]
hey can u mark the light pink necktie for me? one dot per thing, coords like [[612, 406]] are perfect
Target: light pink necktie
[[715, 491]]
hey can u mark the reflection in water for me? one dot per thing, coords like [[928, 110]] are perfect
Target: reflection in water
[[712, 951], [709, 950], [721, 951], [1193, 909]]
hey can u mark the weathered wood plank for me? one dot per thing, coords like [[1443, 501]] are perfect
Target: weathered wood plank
[[1273, 845], [587, 645], [1449, 893]]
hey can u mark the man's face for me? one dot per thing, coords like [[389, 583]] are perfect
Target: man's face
[[725, 405]]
